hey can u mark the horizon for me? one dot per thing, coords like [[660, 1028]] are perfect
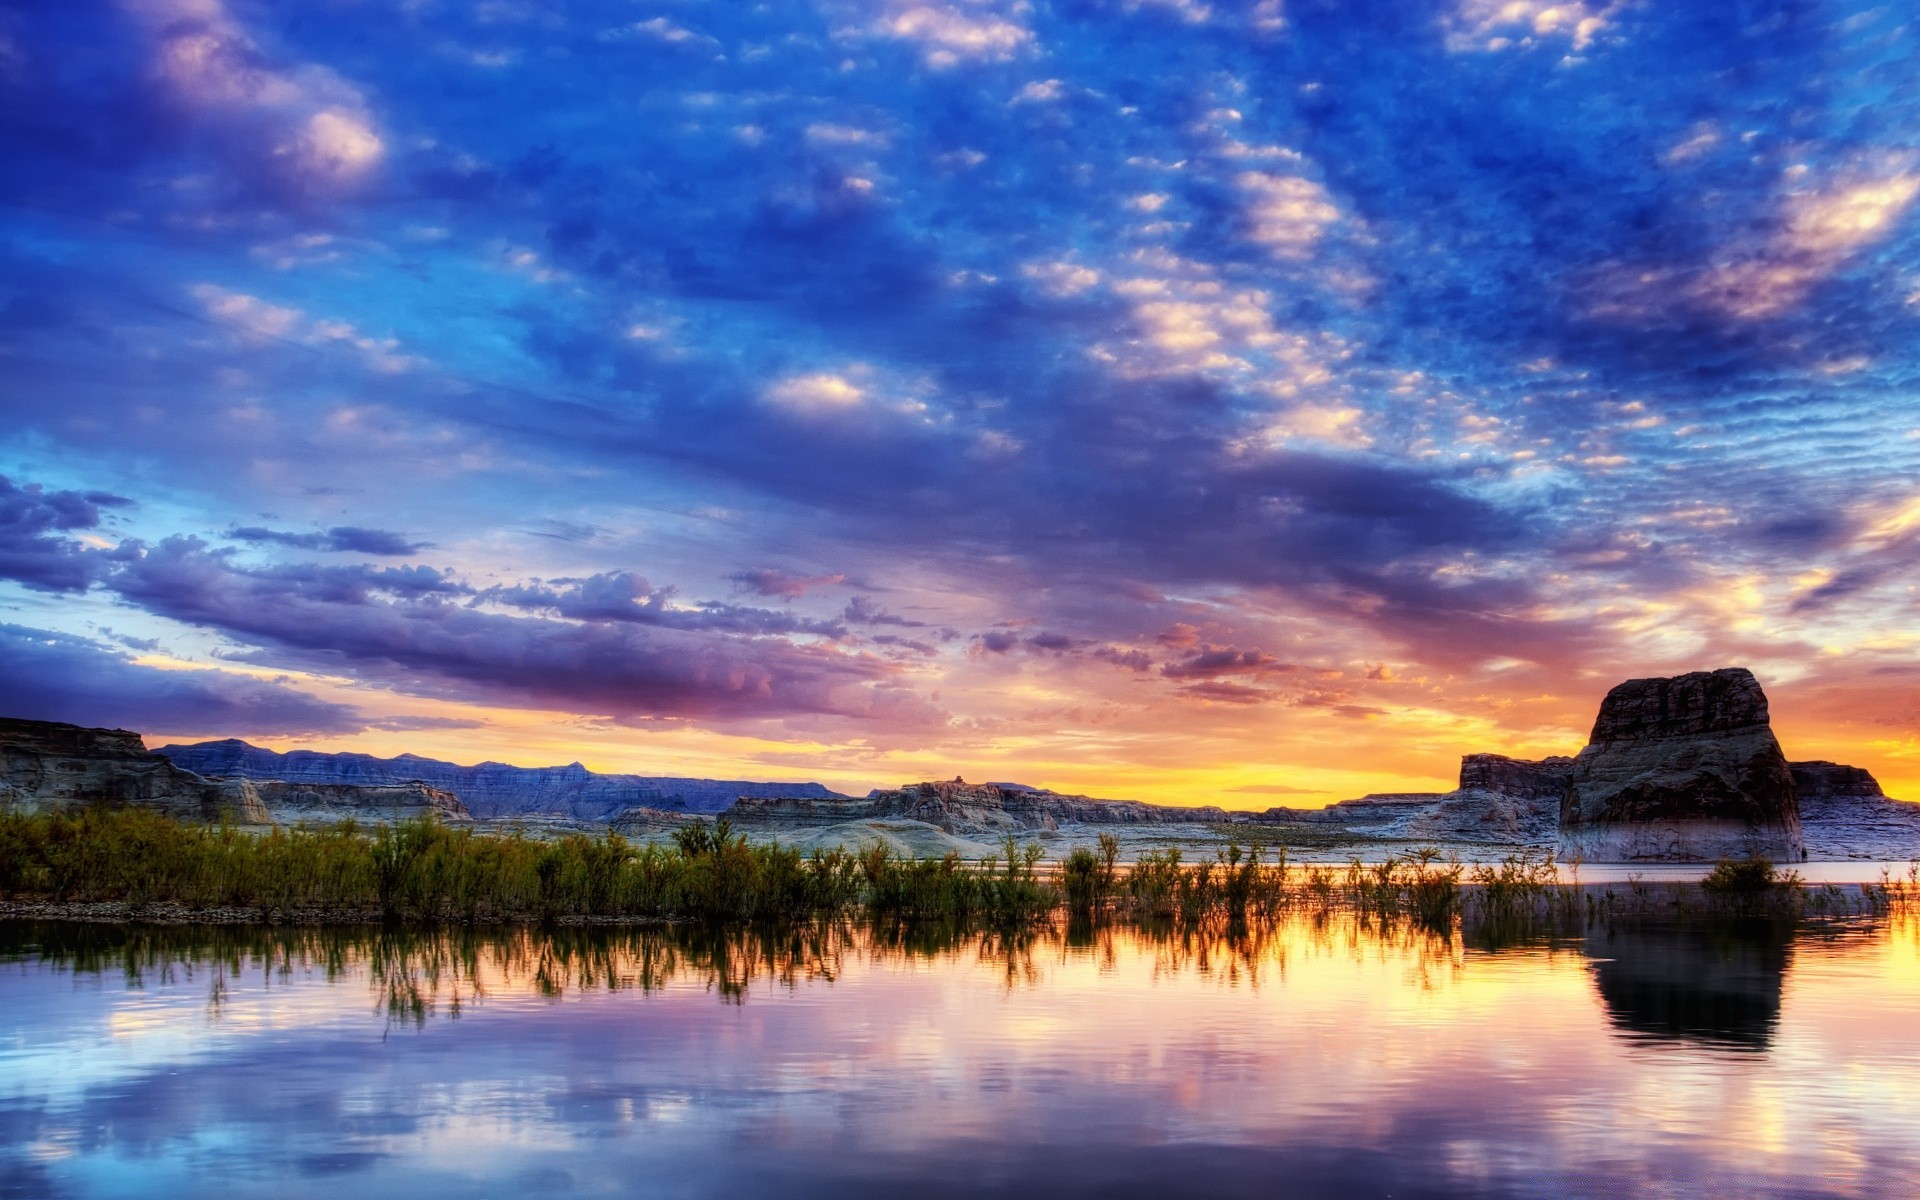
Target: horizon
[[1253, 404]]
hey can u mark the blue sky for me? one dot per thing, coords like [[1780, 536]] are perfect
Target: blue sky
[[1269, 400]]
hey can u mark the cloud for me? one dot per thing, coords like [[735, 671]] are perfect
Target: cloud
[[342, 539], [782, 585], [402, 628], [816, 393], [34, 547], [1288, 214], [1331, 334], [626, 597], [1214, 661], [862, 611], [301, 126], [1222, 692], [953, 33], [59, 677]]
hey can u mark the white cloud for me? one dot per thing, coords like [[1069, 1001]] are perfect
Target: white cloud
[[816, 393], [1494, 25], [256, 319], [1820, 231], [318, 130], [827, 134], [1288, 214], [953, 33], [1062, 278], [335, 145]]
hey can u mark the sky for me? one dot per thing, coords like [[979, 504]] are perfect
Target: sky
[[1242, 403]]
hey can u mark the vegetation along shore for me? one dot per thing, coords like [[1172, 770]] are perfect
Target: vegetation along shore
[[135, 864]]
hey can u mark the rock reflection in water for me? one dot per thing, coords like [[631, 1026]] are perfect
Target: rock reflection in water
[[1714, 983]]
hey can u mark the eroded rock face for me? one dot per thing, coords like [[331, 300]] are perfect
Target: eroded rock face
[[320, 803], [1682, 769], [1522, 779], [957, 806], [48, 766], [1820, 780], [1844, 814]]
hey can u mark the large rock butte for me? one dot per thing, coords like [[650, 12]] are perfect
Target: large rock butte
[[1682, 769]]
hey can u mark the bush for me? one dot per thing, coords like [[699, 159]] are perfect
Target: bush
[[1741, 877]]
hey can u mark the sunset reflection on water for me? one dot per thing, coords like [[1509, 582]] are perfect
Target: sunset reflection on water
[[1317, 1055]]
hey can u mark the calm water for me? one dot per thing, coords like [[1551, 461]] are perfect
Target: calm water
[[1316, 1058]]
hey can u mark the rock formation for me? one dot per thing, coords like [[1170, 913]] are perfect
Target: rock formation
[[1519, 778], [1682, 769], [641, 821], [489, 789], [1823, 784], [1844, 814], [957, 806], [291, 803], [1500, 801], [49, 766]]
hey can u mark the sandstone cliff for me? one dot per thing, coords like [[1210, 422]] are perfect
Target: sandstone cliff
[[1682, 769], [488, 789], [1844, 814], [48, 766], [290, 803], [45, 766]]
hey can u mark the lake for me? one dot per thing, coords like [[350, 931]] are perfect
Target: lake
[[1313, 1056]]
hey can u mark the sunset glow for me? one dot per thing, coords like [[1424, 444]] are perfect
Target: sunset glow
[[1248, 404]]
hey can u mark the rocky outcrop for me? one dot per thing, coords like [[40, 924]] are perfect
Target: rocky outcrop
[[1844, 814], [957, 806], [1682, 769], [46, 766], [1500, 801], [291, 803], [488, 789], [1520, 778], [1820, 783], [642, 821]]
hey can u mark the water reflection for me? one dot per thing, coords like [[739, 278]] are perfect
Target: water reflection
[[1324, 1054], [1717, 983], [417, 973]]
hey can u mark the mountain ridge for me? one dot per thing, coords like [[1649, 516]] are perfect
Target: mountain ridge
[[489, 789]]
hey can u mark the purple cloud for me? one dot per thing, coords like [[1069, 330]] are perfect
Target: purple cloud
[[58, 677], [373, 624], [341, 539], [33, 549]]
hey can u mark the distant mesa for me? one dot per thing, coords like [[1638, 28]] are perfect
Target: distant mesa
[[958, 807], [490, 789]]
